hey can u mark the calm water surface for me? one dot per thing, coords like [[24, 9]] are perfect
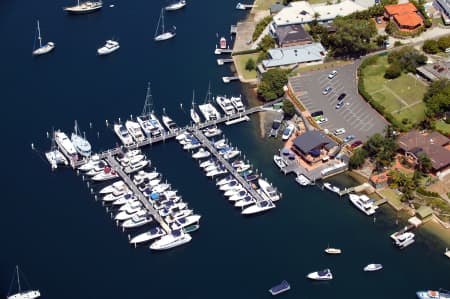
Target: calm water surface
[[67, 244]]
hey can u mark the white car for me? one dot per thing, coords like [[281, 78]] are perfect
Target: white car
[[321, 120], [339, 131], [332, 74]]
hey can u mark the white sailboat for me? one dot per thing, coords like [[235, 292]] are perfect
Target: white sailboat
[[54, 156], [164, 35], [194, 115], [84, 7], [43, 49], [80, 143], [23, 294]]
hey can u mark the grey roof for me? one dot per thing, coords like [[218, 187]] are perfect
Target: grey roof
[[276, 7], [435, 71], [444, 5], [311, 140], [296, 54], [292, 34]]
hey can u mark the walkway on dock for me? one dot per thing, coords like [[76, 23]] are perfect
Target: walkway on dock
[[166, 135], [116, 166], [207, 143]]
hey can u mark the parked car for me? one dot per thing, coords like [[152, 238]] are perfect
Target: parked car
[[332, 74], [349, 138], [317, 113], [327, 90], [356, 143], [321, 120], [339, 131], [339, 105], [341, 96]]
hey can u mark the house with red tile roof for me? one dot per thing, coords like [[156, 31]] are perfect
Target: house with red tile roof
[[404, 15]]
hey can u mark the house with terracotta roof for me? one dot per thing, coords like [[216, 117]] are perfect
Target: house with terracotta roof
[[379, 180], [435, 145], [404, 15]]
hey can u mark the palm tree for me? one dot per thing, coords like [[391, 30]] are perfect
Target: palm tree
[[316, 16]]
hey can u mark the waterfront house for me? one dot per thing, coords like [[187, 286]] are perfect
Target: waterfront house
[[313, 53], [292, 35], [313, 146], [379, 180], [435, 145], [405, 16]]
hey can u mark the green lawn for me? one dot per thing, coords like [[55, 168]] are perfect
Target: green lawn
[[264, 4], [241, 60], [442, 127], [402, 96], [393, 197]]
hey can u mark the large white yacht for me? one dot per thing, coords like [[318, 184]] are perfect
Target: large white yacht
[[135, 130], [246, 201], [258, 207], [136, 221], [84, 7], [268, 190], [169, 123], [123, 134], [106, 174], [186, 221], [405, 239], [237, 103], [226, 105], [321, 275], [175, 238], [209, 112], [62, 140], [151, 234], [135, 166], [109, 47], [363, 203], [142, 175], [82, 146]]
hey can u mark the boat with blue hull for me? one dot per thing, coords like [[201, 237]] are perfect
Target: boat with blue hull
[[280, 288]]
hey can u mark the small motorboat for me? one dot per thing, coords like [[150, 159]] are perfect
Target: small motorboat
[[280, 288], [321, 275], [191, 228], [333, 250], [151, 234], [108, 48], [373, 267], [201, 153], [302, 180]]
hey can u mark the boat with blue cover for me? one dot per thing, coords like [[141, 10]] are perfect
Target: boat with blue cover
[[441, 294], [280, 288], [258, 207]]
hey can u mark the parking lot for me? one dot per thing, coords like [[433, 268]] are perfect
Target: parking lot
[[356, 116]]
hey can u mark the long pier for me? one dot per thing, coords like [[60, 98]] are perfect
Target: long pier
[[116, 166], [207, 143], [165, 135]]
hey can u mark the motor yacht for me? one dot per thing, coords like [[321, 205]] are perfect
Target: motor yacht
[[302, 180], [225, 180], [231, 154], [201, 154], [97, 169], [55, 158], [231, 184], [169, 123], [373, 267], [233, 191], [193, 144], [243, 167], [237, 103], [149, 235], [226, 105], [211, 167], [212, 131], [173, 209], [142, 175], [135, 130], [161, 188], [209, 112], [363, 203], [219, 170], [175, 238], [106, 174], [221, 143], [123, 134], [178, 215], [115, 195], [251, 177], [405, 239], [127, 155], [441, 294], [133, 167], [332, 188], [321, 275], [125, 161], [136, 221], [63, 141], [186, 221], [279, 161], [208, 163], [119, 186], [131, 205], [238, 196], [109, 47], [280, 288], [150, 127], [288, 132], [129, 213], [176, 5], [125, 198], [91, 163], [268, 190], [258, 207], [246, 201]]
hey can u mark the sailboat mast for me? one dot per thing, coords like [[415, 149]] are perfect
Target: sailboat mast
[[162, 19], [39, 35], [18, 278], [148, 102], [193, 97]]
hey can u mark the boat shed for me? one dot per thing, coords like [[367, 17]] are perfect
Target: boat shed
[[309, 53], [311, 142]]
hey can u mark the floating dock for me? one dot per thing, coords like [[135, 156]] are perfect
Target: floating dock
[[116, 166], [207, 143], [219, 51], [242, 6], [223, 61], [233, 29], [229, 79]]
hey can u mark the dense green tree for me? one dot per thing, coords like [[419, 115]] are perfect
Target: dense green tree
[[407, 58], [381, 40], [352, 38], [381, 149], [272, 83], [288, 108], [431, 46], [259, 28], [424, 163], [267, 42], [250, 64], [357, 159], [437, 98], [393, 71], [444, 43]]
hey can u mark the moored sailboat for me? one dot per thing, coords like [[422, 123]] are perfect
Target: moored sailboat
[[23, 294], [43, 49], [163, 35]]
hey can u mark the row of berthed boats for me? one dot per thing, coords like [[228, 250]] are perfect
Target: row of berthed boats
[[227, 182], [131, 213]]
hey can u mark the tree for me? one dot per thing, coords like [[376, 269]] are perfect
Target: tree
[[407, 58], [444, 43], [250, 64], [393, 71], [288, 108], [437, 98], [272, 83], [424, 163], [430, 46], [357, 159], [316, 16], [267, 42]]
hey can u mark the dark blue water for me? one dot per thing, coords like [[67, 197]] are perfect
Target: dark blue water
[[67, 244]]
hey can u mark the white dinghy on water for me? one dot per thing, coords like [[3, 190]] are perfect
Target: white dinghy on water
[[43, 49], [176, 5], [163, 34]]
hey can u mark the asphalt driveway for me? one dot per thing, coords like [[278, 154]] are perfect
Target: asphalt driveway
[[356, 116]]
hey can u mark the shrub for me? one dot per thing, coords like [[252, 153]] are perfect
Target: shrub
[[288, 108], [393, 71], [260, 27], [422, 191], [250, 64], [430, 46]]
